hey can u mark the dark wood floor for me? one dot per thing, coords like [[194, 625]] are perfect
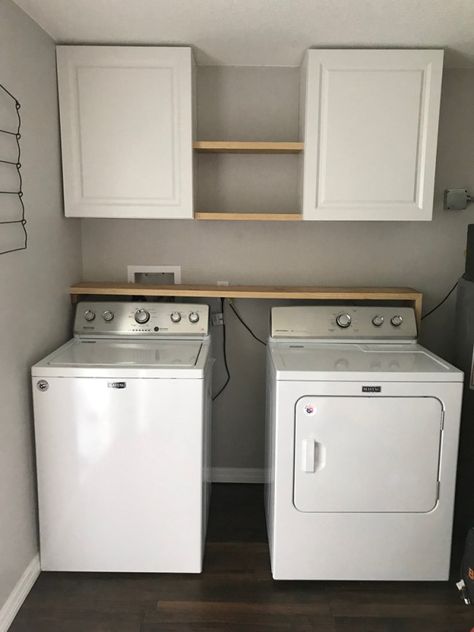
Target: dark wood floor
[[236, 592]]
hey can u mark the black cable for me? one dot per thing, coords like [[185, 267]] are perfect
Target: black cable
[[17, 165], [441, 302], [224, 353], [246, 326]]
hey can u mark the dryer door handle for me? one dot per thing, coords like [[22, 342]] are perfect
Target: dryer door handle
[[308, 454], [313, 455]]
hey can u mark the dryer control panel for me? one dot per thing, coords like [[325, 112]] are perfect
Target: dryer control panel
[[344, 322], [100, 318]]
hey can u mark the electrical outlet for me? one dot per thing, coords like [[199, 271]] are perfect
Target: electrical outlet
[[225, 283], [217, 319]]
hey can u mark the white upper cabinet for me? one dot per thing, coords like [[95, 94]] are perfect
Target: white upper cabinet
[[126, 131], [370, 124]]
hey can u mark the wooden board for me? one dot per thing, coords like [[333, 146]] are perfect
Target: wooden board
[[376, 294], [248, 217], [248, 147]]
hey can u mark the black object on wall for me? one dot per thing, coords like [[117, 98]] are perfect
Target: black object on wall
[[469, 275], [20, 236], [464, 511]]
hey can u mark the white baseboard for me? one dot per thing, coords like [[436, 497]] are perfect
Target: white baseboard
[[19, 593], [237, 475]]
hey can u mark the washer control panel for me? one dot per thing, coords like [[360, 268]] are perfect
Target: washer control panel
[[344, 322], [100, 318]]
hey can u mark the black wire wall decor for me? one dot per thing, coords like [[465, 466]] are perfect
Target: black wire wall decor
[[17, 164]]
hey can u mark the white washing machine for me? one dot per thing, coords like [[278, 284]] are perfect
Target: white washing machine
[[361, 449], [122, 426]]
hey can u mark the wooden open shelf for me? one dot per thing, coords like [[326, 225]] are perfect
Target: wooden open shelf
[[376, 294], [248, 147], [249, 217]]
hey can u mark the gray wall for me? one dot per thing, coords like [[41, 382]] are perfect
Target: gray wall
[[34, 308], [252, 103]]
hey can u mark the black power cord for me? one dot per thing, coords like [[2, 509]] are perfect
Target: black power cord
[[224, 343], [224, 351], [441, 302], [239, 317]]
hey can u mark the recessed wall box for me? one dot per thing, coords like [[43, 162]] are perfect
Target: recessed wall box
[[456, 199], [154, 275]]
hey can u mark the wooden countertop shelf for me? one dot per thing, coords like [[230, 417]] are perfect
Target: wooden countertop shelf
[[247, 147], [104, 288]]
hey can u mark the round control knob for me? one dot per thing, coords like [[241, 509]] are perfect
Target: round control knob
[[89, 315], [193, 317], [108, 315], [175, 317], [142, 316], [396, 320], [377, 321], [343, 320]]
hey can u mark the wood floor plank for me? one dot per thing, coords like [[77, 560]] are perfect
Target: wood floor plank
[[80, 621], [235, 557], [251, 614], [237, 627], [222, 609], [410, 624], [395, 599], [250, 526], [121, 590]]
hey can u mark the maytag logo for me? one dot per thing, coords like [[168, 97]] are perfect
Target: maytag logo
[[371, 389], [117, 384]]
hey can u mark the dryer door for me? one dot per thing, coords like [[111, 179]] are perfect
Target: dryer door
[[367, 454]]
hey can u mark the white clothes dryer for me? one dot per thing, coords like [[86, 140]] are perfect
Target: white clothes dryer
[[122, 426], [361, 446]]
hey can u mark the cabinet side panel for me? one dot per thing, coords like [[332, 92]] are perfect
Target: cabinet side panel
[[429, 133], [302, 110]]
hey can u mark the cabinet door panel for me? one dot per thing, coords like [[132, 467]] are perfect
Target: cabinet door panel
[[370, 131], [126, 126]]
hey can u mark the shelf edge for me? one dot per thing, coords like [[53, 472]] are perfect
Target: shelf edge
[[248, 217], [266, 147]]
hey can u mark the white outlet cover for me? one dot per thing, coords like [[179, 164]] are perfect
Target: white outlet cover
[[132, 271]]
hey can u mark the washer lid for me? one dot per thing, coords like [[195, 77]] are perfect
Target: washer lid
[[132, 358], [336, 361], [116, 353]]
